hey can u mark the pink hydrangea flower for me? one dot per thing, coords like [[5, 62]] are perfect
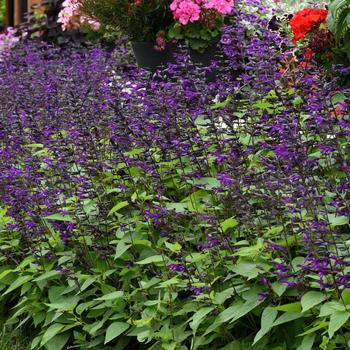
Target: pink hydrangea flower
[[224, 7], [71, 18], [8, 39], [189, 10], [185, 11]]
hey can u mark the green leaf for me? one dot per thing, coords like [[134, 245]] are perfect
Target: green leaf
[[178, 207], [151, 259], [311, 299], [307, 343], [321, 324], [330, 307], [18, 283], [298, 101], [338, 220], [51, 332], [198, 317], [117, 207], [337, 320], [114, 330], [247, 269], [96, 326], [87, 283], [58, 342], [175, 32], [196, 257], [174, 247], [65, 303], [220, 297], [85, 306], [152, 282], [207, 182], [287, 317], [168, 283], [245, 309], [237, 310], [338, 97], [267, 321], [121, 249], [47, 275], [345, 296], [202, 121], [35, 342], [293, 307], [3, 274], [228, 223], [55, 293], [59, 217], [111, 296], [225, 316], [219, 105], [279, 288]]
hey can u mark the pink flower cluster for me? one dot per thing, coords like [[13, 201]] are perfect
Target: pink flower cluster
[[71, 18], [8, 39], [190, 10]]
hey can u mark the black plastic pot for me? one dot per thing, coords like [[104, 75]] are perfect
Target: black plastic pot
[[206, 57], [149, 58]]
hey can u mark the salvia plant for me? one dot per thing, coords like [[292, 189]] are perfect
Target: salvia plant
[[166, 211]]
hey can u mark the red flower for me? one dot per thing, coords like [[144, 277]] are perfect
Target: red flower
[[305, 20], [308, 54]]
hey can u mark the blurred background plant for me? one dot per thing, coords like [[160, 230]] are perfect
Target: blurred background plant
[[339, 24], [2, 14], [13, 339], [292, 6], [140, 20]]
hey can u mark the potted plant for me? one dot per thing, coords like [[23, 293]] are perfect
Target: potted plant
[[155, 26], [323, 34]]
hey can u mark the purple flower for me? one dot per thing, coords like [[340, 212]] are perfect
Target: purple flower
[[129, 264], [225, 179], [226, 39], [196, 290], [282, 152], [263, 295], [176, 268]]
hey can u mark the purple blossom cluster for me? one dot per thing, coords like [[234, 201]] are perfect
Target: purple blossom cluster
[[89, 142]]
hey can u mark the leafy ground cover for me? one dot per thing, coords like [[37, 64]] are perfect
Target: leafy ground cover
[[164, 211]]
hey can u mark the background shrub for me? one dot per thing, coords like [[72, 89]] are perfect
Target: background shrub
[[339, 24], [2, 14]]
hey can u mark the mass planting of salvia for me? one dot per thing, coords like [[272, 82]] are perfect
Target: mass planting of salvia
[[161, 210]]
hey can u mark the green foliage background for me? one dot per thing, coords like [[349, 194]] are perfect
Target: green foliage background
[[2, 14], [339, 23]]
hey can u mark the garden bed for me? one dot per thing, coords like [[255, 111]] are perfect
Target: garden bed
[[130, 218]]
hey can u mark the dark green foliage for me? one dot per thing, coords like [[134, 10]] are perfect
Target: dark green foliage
[[140, 22], [339, 23], [2, 14]]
